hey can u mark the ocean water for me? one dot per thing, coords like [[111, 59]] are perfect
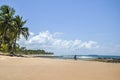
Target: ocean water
[[84, 57]]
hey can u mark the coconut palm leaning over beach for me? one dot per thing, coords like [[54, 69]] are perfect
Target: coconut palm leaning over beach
[[11, 27]]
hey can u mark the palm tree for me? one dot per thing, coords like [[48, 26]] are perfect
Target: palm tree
[[6, 20], [20, 30], [11, 27]]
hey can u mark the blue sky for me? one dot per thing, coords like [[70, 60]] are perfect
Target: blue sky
[[71, 20]]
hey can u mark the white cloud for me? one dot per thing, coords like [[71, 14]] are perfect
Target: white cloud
[[50, 42], [31, 33], [90, 44], [57, 34]]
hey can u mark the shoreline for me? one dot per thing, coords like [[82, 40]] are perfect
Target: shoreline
[[63, 57]]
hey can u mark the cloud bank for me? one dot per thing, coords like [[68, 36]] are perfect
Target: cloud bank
[[50, 42]]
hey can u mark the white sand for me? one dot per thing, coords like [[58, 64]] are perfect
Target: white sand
[[16, 68]]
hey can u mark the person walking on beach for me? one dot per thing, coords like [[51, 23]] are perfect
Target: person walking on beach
[[75, 57]]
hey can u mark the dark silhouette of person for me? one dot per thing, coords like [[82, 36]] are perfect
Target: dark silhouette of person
[[75, 57]]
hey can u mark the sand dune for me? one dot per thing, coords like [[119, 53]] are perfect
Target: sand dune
[[16, 68]]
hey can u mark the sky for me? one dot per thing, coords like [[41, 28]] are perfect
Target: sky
[[70, 26]]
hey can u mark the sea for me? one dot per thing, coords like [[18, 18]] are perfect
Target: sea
[[81, 57]]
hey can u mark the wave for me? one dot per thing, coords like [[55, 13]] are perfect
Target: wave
[[86, 57]]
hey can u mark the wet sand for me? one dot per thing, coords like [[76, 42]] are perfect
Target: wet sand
[[19, 68]]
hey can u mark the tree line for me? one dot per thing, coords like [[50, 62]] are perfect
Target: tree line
[[25, 51]]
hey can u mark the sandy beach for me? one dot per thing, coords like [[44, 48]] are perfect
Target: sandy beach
[[19, 68]]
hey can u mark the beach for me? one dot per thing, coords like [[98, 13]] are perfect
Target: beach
[[20, 68]]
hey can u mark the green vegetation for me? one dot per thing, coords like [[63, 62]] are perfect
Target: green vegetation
[[11, 28], [30, 52]]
